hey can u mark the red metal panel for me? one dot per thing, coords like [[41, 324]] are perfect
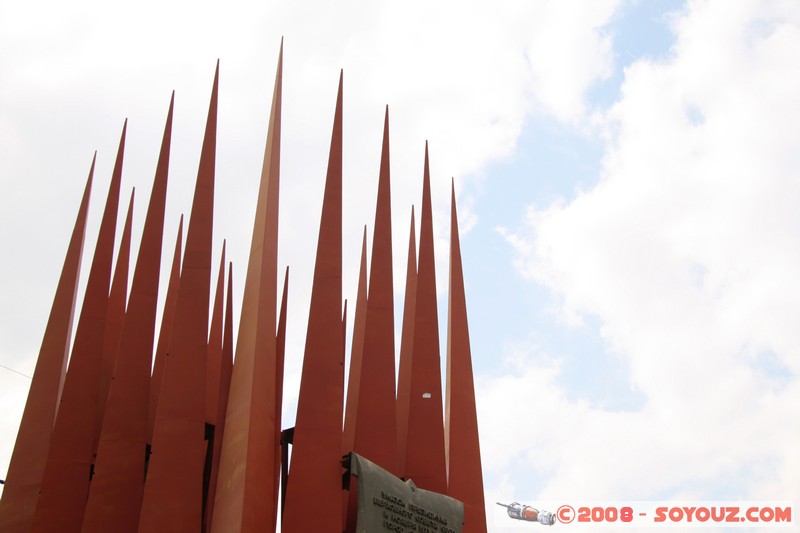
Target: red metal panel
[[247, 478], [375, 433], [115, 494], [115, 319], [356, 352], [316, 473], [406, 345], [215, 413], [21, 490], [462, 447], [173, 491], [425, 462], [65, 483], [164, 332]]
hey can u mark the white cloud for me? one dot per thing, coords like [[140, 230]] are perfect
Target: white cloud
[[687, 251]]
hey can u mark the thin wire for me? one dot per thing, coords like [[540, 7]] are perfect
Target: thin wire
[[16, 372]]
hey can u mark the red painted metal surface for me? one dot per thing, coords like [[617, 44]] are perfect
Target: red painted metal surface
[[425, 462], [279, 365], [173, 492], [162, 345], [247, 478], [115, 494], [65, 483], [406, 345], [21, 490], [356, 352], [375, 432], [462, 447], [117, 301], [215, 388], [315, 475]]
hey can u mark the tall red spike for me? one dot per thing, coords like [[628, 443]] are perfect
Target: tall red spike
[[117, 301], [115, 494], [162, 344], [214, 387], [65, 483], [26, 468], [173, 491], [316, 473], [247, 478], [356, 352], [214, 365], [375, 432], [406, 345], [425, 462], [281, 353], [462, 446]]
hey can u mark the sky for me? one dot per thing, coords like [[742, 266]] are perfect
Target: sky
[[628, 185]]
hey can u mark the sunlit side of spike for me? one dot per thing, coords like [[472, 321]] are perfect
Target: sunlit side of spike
[[162, 345], [406, 345], [65, 483], [115, 494], [247, 479], [462, 446], [425, 462], [173, 492], [115, 319], [375, 433], [26, 468], [214, 386], [356, 352], [315, 473]]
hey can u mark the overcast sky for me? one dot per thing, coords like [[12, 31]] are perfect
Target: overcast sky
[[628, 180]]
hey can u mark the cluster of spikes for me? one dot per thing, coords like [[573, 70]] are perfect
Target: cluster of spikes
[[192, 443]]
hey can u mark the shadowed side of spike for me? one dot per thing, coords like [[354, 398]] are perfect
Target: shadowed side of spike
[[162, 345], [406, 345], [246, 479], [315, 474], [21, 489], [375, 434], [65, 483], [115, 494], [115, 319], [356, 352], [425, 462], [173, 492], [214, 387], [462, 446], [280, 343]]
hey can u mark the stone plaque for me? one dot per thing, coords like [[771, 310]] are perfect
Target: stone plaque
[[386, 503]]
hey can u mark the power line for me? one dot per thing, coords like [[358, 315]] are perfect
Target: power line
[[16, 372]]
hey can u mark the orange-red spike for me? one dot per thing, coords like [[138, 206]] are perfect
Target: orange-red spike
[[375, 432], [162, 345], [356, 352], [173, 492], [117, 300], [316, 473], [214, 387], [247, 478], [214, 365], [425, 462], [462, 446], [65, 483], [26, 468], [281, 354], [115, 494], [406, 345]]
